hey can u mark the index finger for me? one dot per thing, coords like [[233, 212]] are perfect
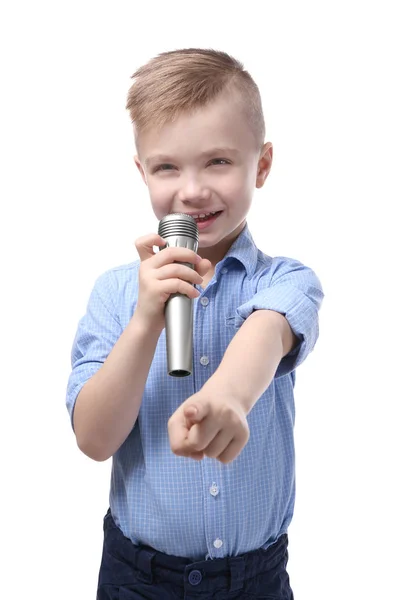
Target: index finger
[[176, 254], [145, 244]]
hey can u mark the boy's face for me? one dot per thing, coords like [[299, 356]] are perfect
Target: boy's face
[[205, 162]]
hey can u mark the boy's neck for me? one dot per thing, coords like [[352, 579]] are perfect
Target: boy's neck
[[216, 253]]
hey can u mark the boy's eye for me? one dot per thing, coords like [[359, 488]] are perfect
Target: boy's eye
[[220, 161], [164, 167]]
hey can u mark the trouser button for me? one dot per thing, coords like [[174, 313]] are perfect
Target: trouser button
[[195, 577]]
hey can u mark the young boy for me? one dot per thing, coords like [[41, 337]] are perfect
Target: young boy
[[203, 483]]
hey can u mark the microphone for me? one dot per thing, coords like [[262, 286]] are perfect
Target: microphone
[[180, 230]]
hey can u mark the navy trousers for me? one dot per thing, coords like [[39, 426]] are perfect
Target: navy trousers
[[130, 572]]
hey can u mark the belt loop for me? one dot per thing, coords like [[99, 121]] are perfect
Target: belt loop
[[237, 573], [144, 565]]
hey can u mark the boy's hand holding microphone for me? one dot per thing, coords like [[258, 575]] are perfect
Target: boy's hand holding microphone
[[162, 274]]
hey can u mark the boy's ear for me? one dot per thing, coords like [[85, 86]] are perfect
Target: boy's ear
[[264, 164], [140, 168]]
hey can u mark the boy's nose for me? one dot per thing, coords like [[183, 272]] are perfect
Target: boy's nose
[[192, 190]]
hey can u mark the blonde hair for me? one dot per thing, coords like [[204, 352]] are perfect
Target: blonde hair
[[181, 81]]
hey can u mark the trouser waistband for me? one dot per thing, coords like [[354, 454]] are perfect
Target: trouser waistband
[[230, 571]]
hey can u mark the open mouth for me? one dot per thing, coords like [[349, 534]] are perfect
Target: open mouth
[[206, 221], [202, 218]]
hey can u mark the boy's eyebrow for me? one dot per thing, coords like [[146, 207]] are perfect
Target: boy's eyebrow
[[220, 151], [159, 158]]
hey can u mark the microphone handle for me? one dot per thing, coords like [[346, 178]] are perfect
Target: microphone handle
[[179, 320]]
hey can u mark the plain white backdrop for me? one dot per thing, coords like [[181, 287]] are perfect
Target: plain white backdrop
[[72, 205]]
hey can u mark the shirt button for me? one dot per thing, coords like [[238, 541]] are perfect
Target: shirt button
[[195, 577], [218, 543], [204, 301], [204, 360], [224, 270], [214, 489]]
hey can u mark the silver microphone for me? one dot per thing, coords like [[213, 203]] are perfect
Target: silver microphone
[[180, 230]]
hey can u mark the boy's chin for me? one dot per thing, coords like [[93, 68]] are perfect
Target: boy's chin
[[211, 241], [211, 238]]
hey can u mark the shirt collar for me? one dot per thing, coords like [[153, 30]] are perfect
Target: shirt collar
[[244, 250]]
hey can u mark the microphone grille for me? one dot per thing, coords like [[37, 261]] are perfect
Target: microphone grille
[[178, 224]]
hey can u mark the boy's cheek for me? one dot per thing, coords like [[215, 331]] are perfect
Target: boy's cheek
[[160, 201]]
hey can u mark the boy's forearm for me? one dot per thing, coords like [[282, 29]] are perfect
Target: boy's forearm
[[108, 405], [252, 357]]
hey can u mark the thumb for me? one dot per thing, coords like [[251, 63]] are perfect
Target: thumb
[[195, 412], [203, 266], [145, 244]]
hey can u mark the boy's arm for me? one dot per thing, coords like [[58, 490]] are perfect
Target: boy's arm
[[213, 422], [252, 357], [109, 402], [113, 365], [278, 327]]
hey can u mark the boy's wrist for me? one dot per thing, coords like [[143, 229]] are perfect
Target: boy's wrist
[[146, 326], [217, 385]]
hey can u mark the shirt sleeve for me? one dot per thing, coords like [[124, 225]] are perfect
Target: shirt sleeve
[[293, 290], [97, 333]]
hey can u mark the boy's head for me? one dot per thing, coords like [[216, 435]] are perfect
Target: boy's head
[[199, 131], [182, 81]]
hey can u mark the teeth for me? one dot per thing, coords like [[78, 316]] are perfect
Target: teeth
[[202, 215]]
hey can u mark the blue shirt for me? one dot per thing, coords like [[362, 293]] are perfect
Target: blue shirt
[[205, 509]]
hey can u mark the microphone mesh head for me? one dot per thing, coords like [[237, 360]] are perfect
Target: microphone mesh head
[[178, 224]]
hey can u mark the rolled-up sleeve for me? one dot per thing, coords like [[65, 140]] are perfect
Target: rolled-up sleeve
[[294, 290], [97, 333]]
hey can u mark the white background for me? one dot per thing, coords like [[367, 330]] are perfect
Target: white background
[[72, 205]]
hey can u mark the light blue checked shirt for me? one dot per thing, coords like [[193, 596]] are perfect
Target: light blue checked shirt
[[205, 509]]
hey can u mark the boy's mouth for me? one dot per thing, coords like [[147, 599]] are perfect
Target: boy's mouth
[[207, 220], [203, 217]]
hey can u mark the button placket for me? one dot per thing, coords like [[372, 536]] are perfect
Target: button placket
[[200, 321], [215, 507]]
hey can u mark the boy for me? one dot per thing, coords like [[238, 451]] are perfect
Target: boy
[[203, 482]]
